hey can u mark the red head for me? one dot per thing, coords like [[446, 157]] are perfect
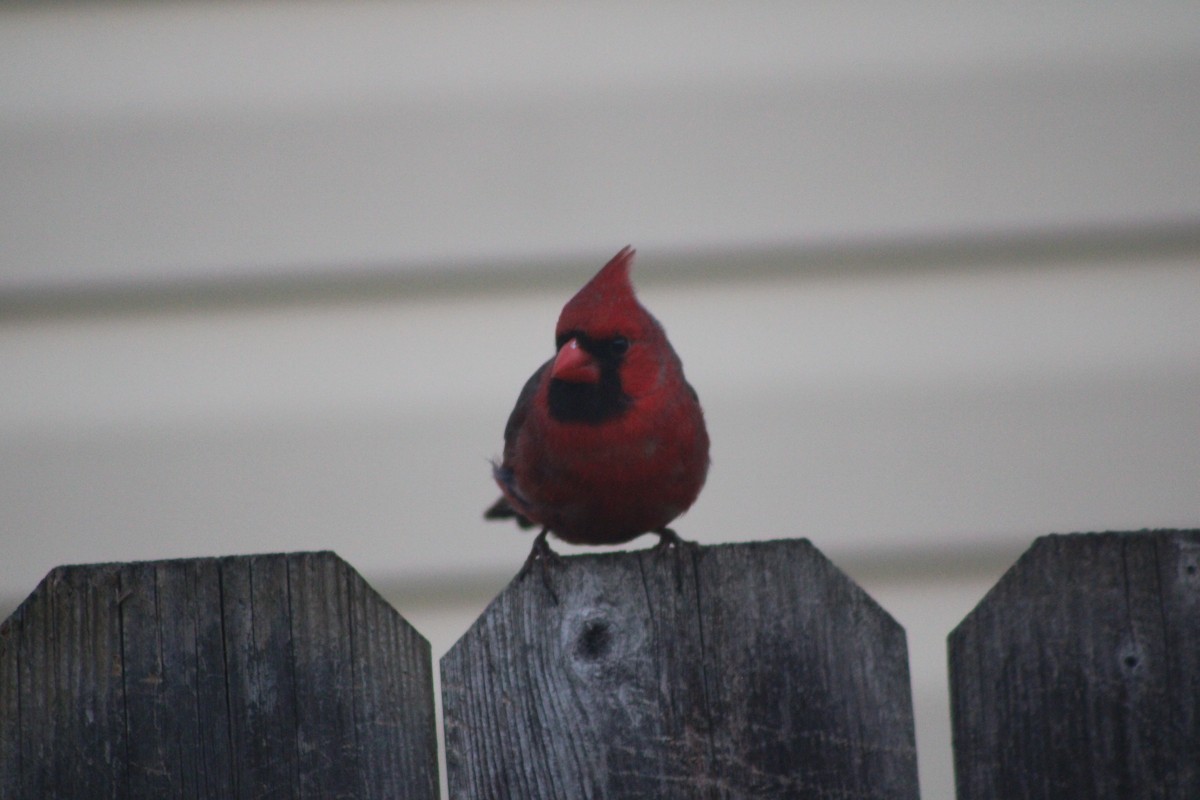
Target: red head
[[603, 311], [606, 305]]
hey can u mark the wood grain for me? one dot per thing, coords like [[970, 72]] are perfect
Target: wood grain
[[242, 677], [1079, 674], [736, 671]]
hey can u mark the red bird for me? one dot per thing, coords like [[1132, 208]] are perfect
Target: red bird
[[607, 439]]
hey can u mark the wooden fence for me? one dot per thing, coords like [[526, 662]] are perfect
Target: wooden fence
[[736, 671]]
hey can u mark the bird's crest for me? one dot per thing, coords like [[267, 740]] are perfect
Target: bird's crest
[[606, 304]]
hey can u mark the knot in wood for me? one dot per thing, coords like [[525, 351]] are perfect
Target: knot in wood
[[597, 640], [1131, 658]]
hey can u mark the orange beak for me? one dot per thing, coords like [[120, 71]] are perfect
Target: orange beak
[[573, 364]]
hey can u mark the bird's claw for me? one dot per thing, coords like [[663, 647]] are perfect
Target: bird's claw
[[542, 555], [669, 539]]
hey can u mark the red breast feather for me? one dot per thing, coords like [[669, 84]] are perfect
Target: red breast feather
[[607, 439]]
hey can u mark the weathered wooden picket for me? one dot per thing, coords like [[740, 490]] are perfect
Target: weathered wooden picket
[[262, 676], [1078, 676], [754, 670], [737, 671]]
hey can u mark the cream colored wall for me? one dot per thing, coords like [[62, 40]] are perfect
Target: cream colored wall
[[272, 274]]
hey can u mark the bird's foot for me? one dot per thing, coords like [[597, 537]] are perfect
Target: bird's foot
[[669, 539], [684, 553], [542, 555]]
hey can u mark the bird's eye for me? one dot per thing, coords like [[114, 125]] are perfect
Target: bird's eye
[[619, 345]]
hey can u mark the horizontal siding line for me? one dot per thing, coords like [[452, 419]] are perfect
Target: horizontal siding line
[[365, 283]]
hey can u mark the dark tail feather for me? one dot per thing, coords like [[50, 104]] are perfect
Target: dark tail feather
[[502, 510]]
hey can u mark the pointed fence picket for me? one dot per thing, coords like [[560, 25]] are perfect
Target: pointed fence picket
[[752, 670], [241, 677], [1079, 674]]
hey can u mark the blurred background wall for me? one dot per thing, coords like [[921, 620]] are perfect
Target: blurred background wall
[[272, 274]]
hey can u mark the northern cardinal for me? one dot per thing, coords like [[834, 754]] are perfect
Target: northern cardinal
[[607, 439]]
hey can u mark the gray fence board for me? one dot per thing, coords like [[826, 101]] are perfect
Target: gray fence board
[[747, 670], [240, 677], [1079, 674]]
